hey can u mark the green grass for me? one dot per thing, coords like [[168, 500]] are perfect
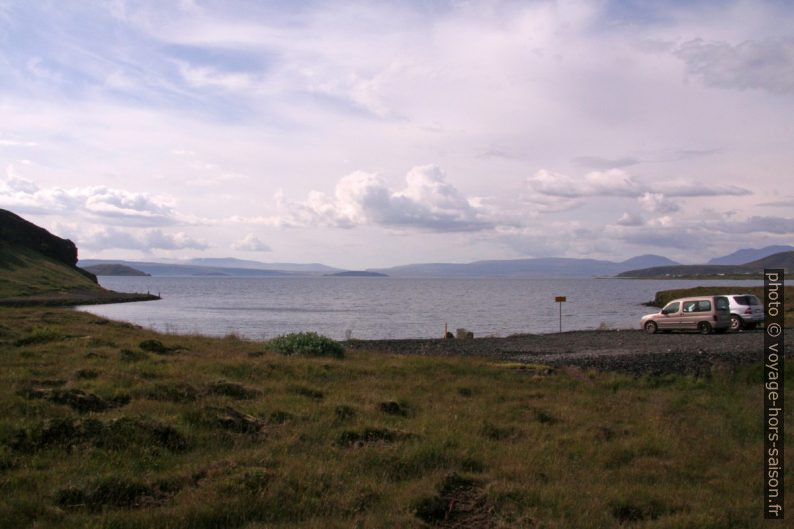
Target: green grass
[[211, 433], [24, 272], [663, 297]]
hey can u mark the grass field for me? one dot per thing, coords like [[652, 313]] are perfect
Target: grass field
[[103, 425]]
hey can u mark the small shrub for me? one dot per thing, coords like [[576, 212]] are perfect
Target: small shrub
[[306, 343], [157, 347]]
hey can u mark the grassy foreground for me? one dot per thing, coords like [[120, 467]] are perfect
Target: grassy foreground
[[106, 425]]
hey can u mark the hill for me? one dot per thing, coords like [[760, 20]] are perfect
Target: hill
[[537, 267], [169, 269], [354, 273], [38, 268], [751, 270], [747, 255], [114, 270]]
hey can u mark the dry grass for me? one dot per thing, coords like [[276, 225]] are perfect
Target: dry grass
[[220, 433]]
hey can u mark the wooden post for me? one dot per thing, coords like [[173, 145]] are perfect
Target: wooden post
[[445, 330]]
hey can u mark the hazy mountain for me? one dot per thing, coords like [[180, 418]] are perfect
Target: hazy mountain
[[168, 269], [114, 270], [231, 262], [747, 255], [784, 260], [538, 267]]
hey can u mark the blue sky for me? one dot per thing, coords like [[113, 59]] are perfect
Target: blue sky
[[380, 133]]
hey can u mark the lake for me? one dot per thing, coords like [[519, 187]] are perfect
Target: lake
[[383, 307]]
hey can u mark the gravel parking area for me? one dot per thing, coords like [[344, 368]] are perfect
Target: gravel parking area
[[616, 350]]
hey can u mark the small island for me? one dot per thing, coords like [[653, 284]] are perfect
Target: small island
[[356, 273]]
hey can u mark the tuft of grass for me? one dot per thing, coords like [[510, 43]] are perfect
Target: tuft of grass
[[306, 343]]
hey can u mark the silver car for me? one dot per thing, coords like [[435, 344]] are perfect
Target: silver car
[[747, 311]]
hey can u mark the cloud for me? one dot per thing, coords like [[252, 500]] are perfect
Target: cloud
[[630, 219], [113, 238], [110, 205], [614, 182], [427, 202], [599, 163], [657, 203], [767, 65], [619, 183], [250, 243], [758, 224]]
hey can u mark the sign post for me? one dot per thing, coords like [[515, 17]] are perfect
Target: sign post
[[560, 300]]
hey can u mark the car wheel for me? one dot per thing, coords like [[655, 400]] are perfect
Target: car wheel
[[651, 327], [704, 327], [736, 323]]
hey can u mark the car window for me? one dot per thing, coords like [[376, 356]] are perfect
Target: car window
[[672, 308], [690, 306], [753, 300], [703, 306], [742, 300], [722, 303]]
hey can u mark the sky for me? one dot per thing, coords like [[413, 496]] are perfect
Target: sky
[[371, 134]]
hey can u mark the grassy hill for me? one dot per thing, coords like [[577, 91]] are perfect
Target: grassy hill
[[30, 278], [38, 268], [752, 270]]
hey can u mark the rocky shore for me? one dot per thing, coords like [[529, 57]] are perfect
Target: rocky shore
[[630, 351]]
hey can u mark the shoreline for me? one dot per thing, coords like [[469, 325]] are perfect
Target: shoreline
[[75, 298]]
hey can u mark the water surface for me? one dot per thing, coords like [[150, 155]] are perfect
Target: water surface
[[383, 307]]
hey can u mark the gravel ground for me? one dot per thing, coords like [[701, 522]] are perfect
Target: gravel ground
[[629, 351]]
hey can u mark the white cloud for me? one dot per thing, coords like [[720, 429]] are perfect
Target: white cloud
[[251, 243], [619, 183], [657, 203], [100, 202], [146, 241], [427, 202], [630, 219]]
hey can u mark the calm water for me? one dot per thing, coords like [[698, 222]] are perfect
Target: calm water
[[363, 307]]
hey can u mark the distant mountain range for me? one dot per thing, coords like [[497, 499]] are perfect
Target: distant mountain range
[[748, 255], [167, 269], [538, 267], [784, 260], [535, 267]]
